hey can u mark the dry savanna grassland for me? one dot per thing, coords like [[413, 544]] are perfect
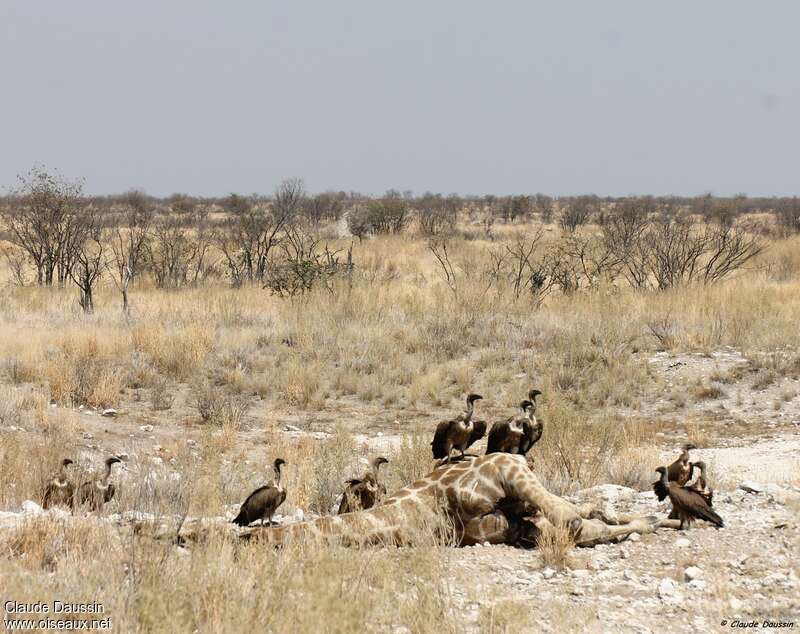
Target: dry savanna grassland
[[211, 380]]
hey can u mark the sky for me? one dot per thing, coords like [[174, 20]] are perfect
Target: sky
[[612, 97]]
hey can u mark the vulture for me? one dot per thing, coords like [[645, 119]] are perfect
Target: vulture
[[700, 485], [531, 428], [96, 493], [364, 492], [458, 433], [687, 504], [59, 490], [510, 435], [680, 471], [262, 503]]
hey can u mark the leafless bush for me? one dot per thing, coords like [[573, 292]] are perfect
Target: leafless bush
[[577, 212], [177, 255], [437, 215], [327, 206], [128, 242], [671, 250], [160, 398], [305, 265], [46, 221], [544, 206], [787, 215], [218, 408]]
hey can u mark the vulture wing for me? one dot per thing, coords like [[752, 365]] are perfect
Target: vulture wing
[[439, 442], [660, 490], [497, 435], [478, 432], [530, 435], [693, 504]]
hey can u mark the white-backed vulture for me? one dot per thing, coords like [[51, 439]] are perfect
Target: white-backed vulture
[[508, 436], [456, 433], [59, 491], [531, 427], [96, 493], [365, 492], [687, 504], [701, 485], [680, 471], [262, 503]]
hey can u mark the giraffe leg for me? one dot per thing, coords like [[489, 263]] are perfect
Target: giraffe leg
[[523, 485], [492, 527]]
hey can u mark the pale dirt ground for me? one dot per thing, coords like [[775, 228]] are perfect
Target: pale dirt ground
[[748, 570]]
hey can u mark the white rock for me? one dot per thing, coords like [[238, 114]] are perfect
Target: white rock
[[634, 537], [697, 584], [109, 413], [548, 573], [579, 574], [607, 492], [692, 572], [299, 515], [668, 591], [146, 428], [751, 486], [735, 603], [290, 428], [29, 506], [682, 543], [628, 575]]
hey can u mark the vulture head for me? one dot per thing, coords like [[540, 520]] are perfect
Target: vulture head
[[66, 462], [689, 446], [533, 394], [279, 462], [379, 461], [112, 460], [661, 471], [474, 397], [525, 406]]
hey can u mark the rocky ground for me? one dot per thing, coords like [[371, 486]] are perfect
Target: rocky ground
[[703, 579]]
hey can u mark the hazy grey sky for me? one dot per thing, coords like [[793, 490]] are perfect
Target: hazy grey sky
[[610, 97]]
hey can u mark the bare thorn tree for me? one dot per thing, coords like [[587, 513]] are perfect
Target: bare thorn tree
[[128, 242]]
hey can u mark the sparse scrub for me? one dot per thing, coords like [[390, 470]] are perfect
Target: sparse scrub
[[554, 544]]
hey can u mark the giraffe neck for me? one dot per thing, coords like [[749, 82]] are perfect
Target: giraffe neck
[[383, 524]]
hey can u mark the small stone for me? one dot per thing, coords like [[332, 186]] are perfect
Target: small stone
[[29, 506], [752, 486], [682, 543], [486, 544], [548, 573], [290, 428], [146, 428], [697, 584], [576, 591], [109, 413], [299, 515], [379, 434], [628, 575], [579, 574], [735, 603], [634, 537], [624, 553], [668, 591], [692, 572]]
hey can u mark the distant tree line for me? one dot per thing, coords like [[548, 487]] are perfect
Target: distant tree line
[[55, 236]]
